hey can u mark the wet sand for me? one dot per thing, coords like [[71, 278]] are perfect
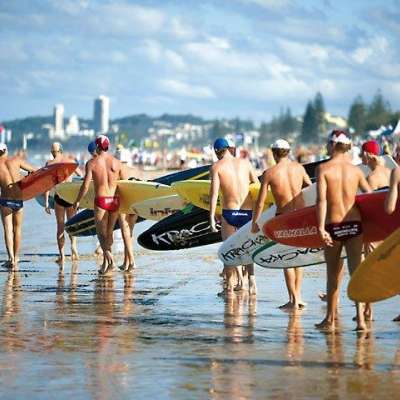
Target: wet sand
[[163, 332]]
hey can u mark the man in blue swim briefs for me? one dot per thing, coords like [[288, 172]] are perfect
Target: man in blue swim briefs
[[10, 202], [232, 177], [286, 179]]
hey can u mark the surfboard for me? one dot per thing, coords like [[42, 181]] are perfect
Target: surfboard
[[130, 192], [83, 224], [41, 200], [239, 248], [185, 229], [159, 207], [300, 228], [378, 276], [198, 193], [45, 179]]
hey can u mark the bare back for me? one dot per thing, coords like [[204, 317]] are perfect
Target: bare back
[[106, 170], [10, 174], [341, 180], [286, 181], [235, 176]]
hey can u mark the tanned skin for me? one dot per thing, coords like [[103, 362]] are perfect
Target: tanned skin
[[12, 219], [60, 211], [392, 197], [104, 170], [286, 180], [232, 176], [338, 181], [378, 178]]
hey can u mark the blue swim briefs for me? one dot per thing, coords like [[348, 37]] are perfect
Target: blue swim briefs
[[15, 205], [237, 218]]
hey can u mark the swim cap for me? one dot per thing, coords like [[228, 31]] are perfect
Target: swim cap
[[3, 147], [280, 144], [102, 142], [372, 146], [91, 147], [339, 136], [221, 144]]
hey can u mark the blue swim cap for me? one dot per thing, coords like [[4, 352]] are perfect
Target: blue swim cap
[[91, 147], [220, 144]]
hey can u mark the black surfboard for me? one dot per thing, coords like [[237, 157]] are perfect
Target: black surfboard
[[183, 230], [190, 227], [82, 224]]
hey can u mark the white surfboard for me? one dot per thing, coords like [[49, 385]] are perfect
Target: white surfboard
[[239, 248], [159, 207]]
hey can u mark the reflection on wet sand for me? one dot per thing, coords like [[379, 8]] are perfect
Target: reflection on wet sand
[[295, 336], [236, 379]]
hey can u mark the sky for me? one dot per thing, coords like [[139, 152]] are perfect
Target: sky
[[211, 58]]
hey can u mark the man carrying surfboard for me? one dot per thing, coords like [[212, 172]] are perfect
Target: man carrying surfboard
[[62, 208], [378, 178], [11, 204], [339, 220], [105, 170], [232, 176], [391, 199], [286, 180]]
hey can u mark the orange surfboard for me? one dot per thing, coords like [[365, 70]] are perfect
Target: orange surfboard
[[300, 228], [44, 179]]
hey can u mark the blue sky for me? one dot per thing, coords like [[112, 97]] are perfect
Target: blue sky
[[214, 58]]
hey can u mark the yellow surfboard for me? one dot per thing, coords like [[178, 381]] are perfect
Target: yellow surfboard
[[197, 192], [378, 276], [130, 192]]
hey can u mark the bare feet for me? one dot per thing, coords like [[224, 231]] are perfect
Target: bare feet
[[127, 268], [287, 305], [361, 327], [397, 319], [226, 292], [326, 325], [60, 259], [322, 296], [74, 256]]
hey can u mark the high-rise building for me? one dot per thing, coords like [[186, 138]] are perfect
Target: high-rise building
[[72, 127], [101, 117], [58, 118]]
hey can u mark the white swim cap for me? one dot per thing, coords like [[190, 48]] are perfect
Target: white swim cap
[[280, 144]]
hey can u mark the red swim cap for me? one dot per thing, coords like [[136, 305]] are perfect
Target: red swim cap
[[102, 142], [372, 147]]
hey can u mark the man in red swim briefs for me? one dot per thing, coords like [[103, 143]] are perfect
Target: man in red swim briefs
[[339, 221], [105, 170]]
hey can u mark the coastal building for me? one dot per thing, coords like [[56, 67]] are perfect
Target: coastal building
[[101, 116], [72, 127], [58, 122]]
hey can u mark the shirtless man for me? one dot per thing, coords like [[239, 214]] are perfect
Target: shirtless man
[[339, 221], [392, 197], [11, 202], [378, 178], [105, 170], [62, 208], [232, 176], [286, 180]]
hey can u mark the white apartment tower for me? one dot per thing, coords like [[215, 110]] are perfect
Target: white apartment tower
[[58, 119], [101, 117]]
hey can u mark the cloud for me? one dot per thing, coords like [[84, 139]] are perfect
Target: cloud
[[183, 89]]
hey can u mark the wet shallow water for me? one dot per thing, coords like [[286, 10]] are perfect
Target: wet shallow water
[[163, 333]]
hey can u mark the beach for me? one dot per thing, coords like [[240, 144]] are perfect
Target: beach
[[162, 332]]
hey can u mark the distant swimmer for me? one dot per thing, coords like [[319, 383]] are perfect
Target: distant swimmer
[[286, 180], [232, 176], [339, 220], [62, 208], [11, 204], [391, 199], [105, 170], [378, 178]]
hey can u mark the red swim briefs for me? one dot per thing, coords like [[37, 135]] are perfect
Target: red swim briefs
[[108, 203]]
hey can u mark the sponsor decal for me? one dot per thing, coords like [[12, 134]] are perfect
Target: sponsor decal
[[162, 211], [289, 255], [247, 247], [184, 236], [297, 232]]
